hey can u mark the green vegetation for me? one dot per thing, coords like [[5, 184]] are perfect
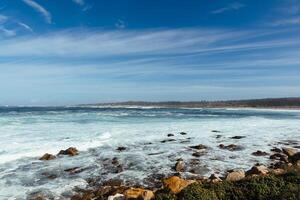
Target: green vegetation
[[285, 187]]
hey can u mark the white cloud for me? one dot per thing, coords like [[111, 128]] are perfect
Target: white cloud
[[7, 32], [25, 26], [286, 22], [232, 6], [40, 9], [3, 19], [79, 2], [120, 24]]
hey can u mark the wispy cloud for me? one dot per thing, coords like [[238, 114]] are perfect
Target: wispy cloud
[[232, 6], [46, 14], [287, 21], [7, 32], [79, 2], [120, 24], [3, 19], [25, 26]]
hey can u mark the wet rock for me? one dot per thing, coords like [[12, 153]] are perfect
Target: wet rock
[[115, 161], [275, 149], [214, 179], [183, 133], [47, 156], [121, 149], [198, 154], [237, 137], [218, 136], [49, 175], [39, 198], [74, 170], [289, 151], [258, 170], [116, 197], [170, 135], [113, 182], [199, 147], [260, 153], [231, 147], [279, 156], [176, 184], [71, 151], [235, 175], [179, 166], [138, 193], [295, 158], [216, 131], [278, 171], [168, 140]]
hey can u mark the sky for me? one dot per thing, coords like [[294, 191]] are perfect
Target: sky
[[64, 52]]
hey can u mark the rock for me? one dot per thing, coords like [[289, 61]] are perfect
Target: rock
[[176, 184], [279, 156], [289, 151], [138, 193], [170, 135], [218, 136], [47, 156], [74, 170], [260, 153], [39, 198], [71, 151], [237, 137], [295, 158], [231, 147], [168, 140], [198, 154], [199, 147], [235, 175], [179, 166], [116, 197], [278, 171], [259, 170], [216, 131], [214, 179], [49, 175], [275, 149], [121, 149], [183, 133]]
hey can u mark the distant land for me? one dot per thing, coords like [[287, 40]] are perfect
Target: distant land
[[250, 103]]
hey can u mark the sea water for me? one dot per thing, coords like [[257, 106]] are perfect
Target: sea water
[[26, 133]]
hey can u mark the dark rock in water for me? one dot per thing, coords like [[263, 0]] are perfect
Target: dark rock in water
[[118, 169], [260, 153], [275, 149], [71, 151], [47, 156], [289, 151], [168, 140], [295, 158], [113, 182], [170, 135], [199, 147], [218, 136], [115, 161], [278, 156], [231, 147], [182, 133], [121, 148], [49, 175], [237, 137], [297, 147], [198, 154], [214, 178], [153, 154], [74, 170], [216, 131], [179, 166]]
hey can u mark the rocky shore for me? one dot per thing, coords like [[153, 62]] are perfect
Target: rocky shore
[[278, 180]]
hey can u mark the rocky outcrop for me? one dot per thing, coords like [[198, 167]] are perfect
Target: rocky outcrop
[[258, 170], [231, 147], [176, 184], [138, 193], [179, 166], [71, 151], [260, 153], [289, 151], [47, 156], [199, 147], [235, 175], [214, 179]]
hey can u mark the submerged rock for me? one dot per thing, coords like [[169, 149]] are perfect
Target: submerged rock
[[183, 133], [231, 147], [199, 147], [260, 153], [138, 193], [216, 131], [168, 140], [176, 184], [170, 135], [47, 156], [71, 151], [121, 149], [179, 166], [237, 137], [235, 175]]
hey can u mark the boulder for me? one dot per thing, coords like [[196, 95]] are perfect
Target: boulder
[[295, 158], [47, 156], [231, 147], [275, 149], [278, 171], [121, 149], [176, 184], [237, 137], [260, 153], [199, 147], [138, 193], [179, 166], [214, 179], [216, 131], [258, 170], [198, 154], [182, 133], [116, 197], [170, 135], [71, 151], [235, 175], [289, 151]]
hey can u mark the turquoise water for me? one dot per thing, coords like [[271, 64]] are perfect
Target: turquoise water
[[27, 133]]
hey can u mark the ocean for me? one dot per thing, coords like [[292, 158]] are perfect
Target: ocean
[[26, 133]]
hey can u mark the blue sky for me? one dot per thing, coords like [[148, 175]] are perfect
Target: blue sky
[[84, 51]]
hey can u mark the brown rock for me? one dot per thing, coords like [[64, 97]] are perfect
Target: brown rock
[[231, 147], [71, 151], [235, 175], [295, 158], [260, 153], [47, 156], [138, 193], [278, 171], [259, 170], [116, 197], [198, 154], [179, 166], [275, 149], [289, 151], [176, 184], [199, 147], [214, 179]]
